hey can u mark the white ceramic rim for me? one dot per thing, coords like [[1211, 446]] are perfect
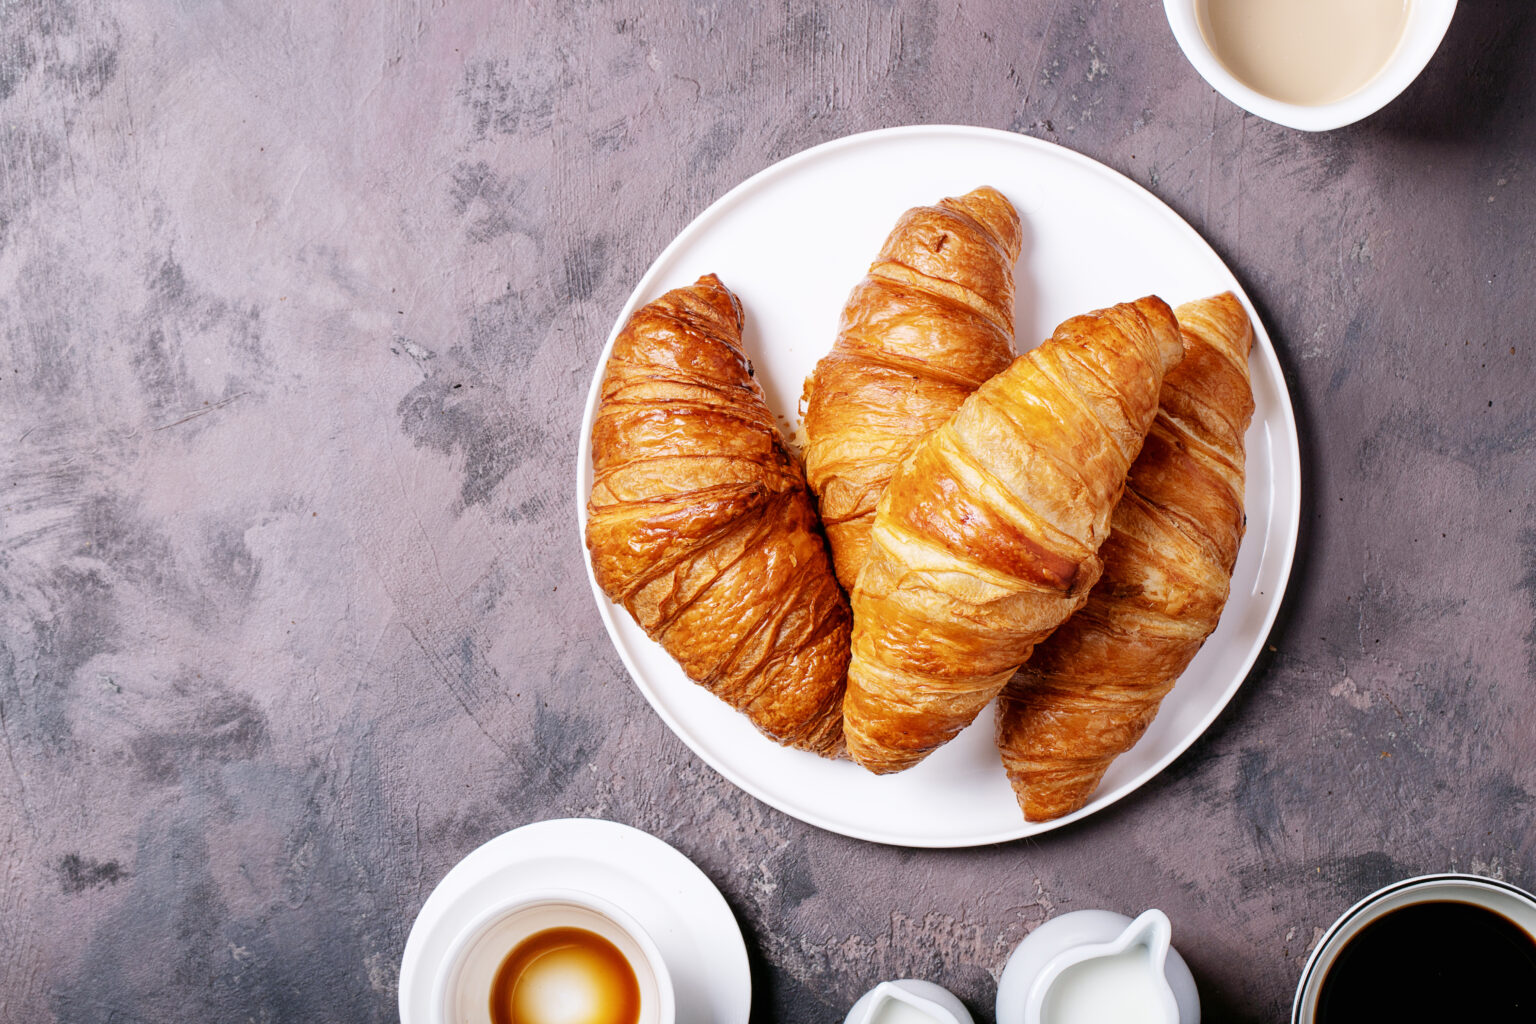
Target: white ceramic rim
[[448, 968], [1262, 349], [704, 947], [1427, 882], [1427, 24], [681, 909]]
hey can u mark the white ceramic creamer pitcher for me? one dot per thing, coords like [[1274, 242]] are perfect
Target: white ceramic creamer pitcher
[[1093, 966], [908, 1001]]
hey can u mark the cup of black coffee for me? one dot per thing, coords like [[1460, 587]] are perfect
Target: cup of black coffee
[[1439, 947]]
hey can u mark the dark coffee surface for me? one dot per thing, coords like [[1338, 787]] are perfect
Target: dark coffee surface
[[1441, 961]]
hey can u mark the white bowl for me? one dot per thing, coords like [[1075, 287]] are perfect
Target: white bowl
[[1427, 22], [461, 992]]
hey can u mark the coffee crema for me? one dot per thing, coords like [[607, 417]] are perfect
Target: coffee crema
[[565, 976], [1439, 961], [1307, 52]]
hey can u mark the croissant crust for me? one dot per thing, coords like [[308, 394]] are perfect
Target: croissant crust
[[700, 523], [930, 322], [1091, 690], [987, 537]]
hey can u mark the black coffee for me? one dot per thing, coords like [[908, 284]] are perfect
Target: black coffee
[[1438, 961]]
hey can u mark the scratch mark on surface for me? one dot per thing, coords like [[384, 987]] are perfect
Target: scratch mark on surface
[[10, 756], [203, 412], [1242, 136], [1202, 141], [445, 677], [1034, 67], [1210, 161], [437, 563]]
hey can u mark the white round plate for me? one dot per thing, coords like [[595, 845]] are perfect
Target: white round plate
[[792, 241], [675, 902]]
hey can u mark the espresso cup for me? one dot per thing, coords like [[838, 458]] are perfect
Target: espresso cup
[[462, 988], [1516, 906]]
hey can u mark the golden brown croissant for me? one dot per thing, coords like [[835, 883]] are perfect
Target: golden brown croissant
[[700, 523], [1092, 688], [987, 537], [931, 321]]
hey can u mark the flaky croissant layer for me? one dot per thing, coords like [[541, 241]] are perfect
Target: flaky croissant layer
[[987, 537], [930, 322], [700, 523], [1091, 690]]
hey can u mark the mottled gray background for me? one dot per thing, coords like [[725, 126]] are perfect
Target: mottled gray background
[[298, 307]]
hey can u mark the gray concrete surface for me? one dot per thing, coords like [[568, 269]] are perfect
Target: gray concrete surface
[[298, 306]]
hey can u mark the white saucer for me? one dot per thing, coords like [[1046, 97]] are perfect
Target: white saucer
[[675, 902]]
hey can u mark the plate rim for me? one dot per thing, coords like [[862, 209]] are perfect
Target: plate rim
[[1263, 344]]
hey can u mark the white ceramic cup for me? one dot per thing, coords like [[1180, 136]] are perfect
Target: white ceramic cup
[[1427, 23], [1513, 903], [462, 987]]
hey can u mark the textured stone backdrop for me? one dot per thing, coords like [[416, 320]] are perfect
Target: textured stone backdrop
[[298, 306]]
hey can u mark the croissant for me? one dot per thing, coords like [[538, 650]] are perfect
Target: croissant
[[931, 321], [701, 526], [1092, 688], [987, 537]]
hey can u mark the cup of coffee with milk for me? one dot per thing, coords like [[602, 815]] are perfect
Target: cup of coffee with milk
[[556, 956], [1309, 64]]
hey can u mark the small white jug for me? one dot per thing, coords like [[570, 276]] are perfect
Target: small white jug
[[908, 1000], [1076, 966]]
